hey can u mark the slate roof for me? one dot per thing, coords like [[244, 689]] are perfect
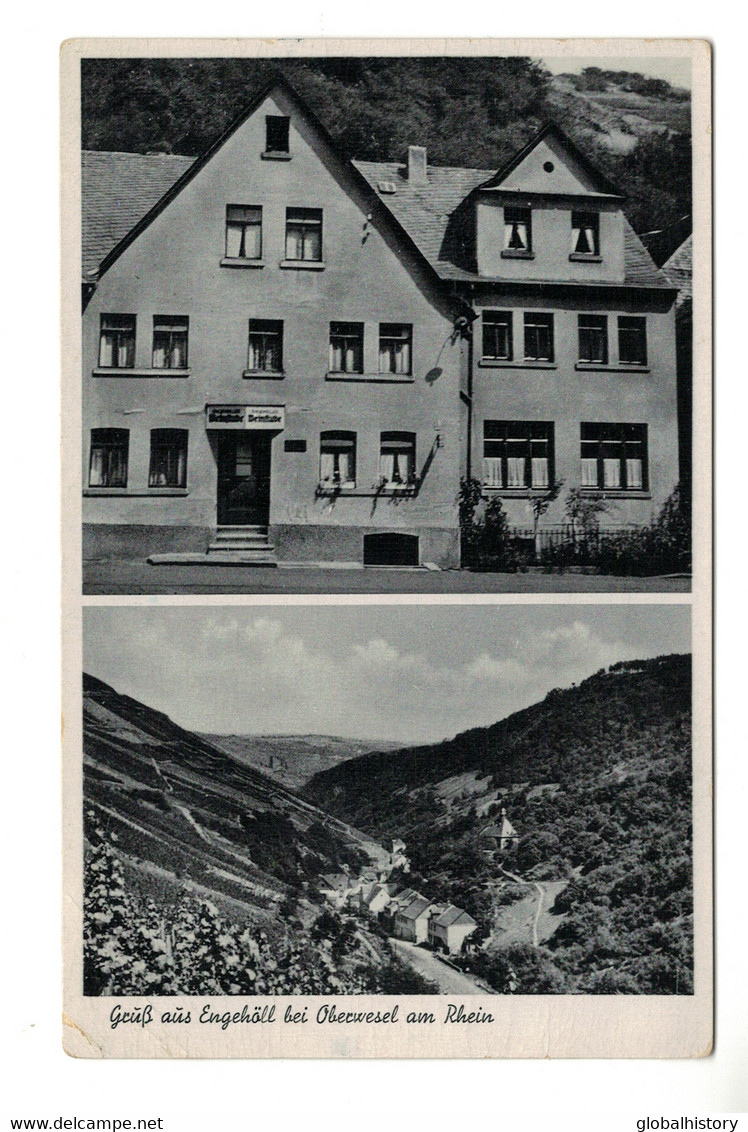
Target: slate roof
[[416, 908], [679, 270], [118, 189], [453, 915]]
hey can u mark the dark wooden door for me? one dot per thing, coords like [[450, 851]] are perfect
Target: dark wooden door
[[243, 479]]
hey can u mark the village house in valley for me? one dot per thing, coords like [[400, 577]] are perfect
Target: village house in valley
[[290, 356]]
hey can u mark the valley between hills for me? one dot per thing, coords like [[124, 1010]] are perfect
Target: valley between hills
[[255, 864]]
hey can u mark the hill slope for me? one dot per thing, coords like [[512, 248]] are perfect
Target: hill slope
[[596, 780], [181, 806], [294, 759]]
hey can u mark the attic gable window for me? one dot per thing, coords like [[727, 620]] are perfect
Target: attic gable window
[[517, 231], [276, 134], [243, 231], [585, 234]]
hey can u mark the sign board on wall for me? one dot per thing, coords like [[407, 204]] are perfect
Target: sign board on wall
[[272, 417]]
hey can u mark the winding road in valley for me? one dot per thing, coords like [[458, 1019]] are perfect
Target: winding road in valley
[[430, 967]]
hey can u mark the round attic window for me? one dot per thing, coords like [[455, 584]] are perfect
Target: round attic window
[[548, 166]]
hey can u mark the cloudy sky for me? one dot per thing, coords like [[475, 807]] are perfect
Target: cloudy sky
[[413, 673]]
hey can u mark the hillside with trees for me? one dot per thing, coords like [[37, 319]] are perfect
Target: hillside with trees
[[596, 779], [475, 112]]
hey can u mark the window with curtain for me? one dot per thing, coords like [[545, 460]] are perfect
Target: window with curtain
[[170, 342], [395, 347], [517, 229], [168, 466], [497, 336], [243, 231], [614, 457], [265, 345], [117, 341], [347, 347], [593, 338], [539, 337], [304, 234], [337, 459], [517, 454], [109, 452], [397, 459], [632, 340], [585, 233]]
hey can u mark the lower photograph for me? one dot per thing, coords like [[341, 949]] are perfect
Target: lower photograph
[[299, 821]]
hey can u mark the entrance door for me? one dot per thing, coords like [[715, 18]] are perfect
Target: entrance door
[[243, 479]]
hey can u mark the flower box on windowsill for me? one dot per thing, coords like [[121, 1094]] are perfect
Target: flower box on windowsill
[[302, 264], [162, 371], [585, 257], [275, 155], [516, 253], [328, 488], [264, 374]]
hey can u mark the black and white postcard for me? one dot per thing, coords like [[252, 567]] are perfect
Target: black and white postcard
[[387, 550]]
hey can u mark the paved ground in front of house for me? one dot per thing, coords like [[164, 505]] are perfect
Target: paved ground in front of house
[[426, 963], [142, 578]]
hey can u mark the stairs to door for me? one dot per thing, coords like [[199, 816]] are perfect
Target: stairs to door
[[243, 544]]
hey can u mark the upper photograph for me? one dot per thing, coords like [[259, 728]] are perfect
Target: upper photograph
[[381, 325]]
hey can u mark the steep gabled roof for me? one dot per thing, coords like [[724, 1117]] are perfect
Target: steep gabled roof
[[382, 215], [416, 908], [551, 131], [454, 915]]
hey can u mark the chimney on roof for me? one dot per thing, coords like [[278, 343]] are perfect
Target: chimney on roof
[[417, 165]]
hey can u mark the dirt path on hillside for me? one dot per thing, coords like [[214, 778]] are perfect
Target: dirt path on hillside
[[539, 908], [446, 978]]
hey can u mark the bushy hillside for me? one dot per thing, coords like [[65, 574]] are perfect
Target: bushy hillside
[[596, 780], [475, 112]]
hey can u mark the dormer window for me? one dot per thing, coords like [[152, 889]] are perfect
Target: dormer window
[[276, 134], [517, 231], [585, 234]]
